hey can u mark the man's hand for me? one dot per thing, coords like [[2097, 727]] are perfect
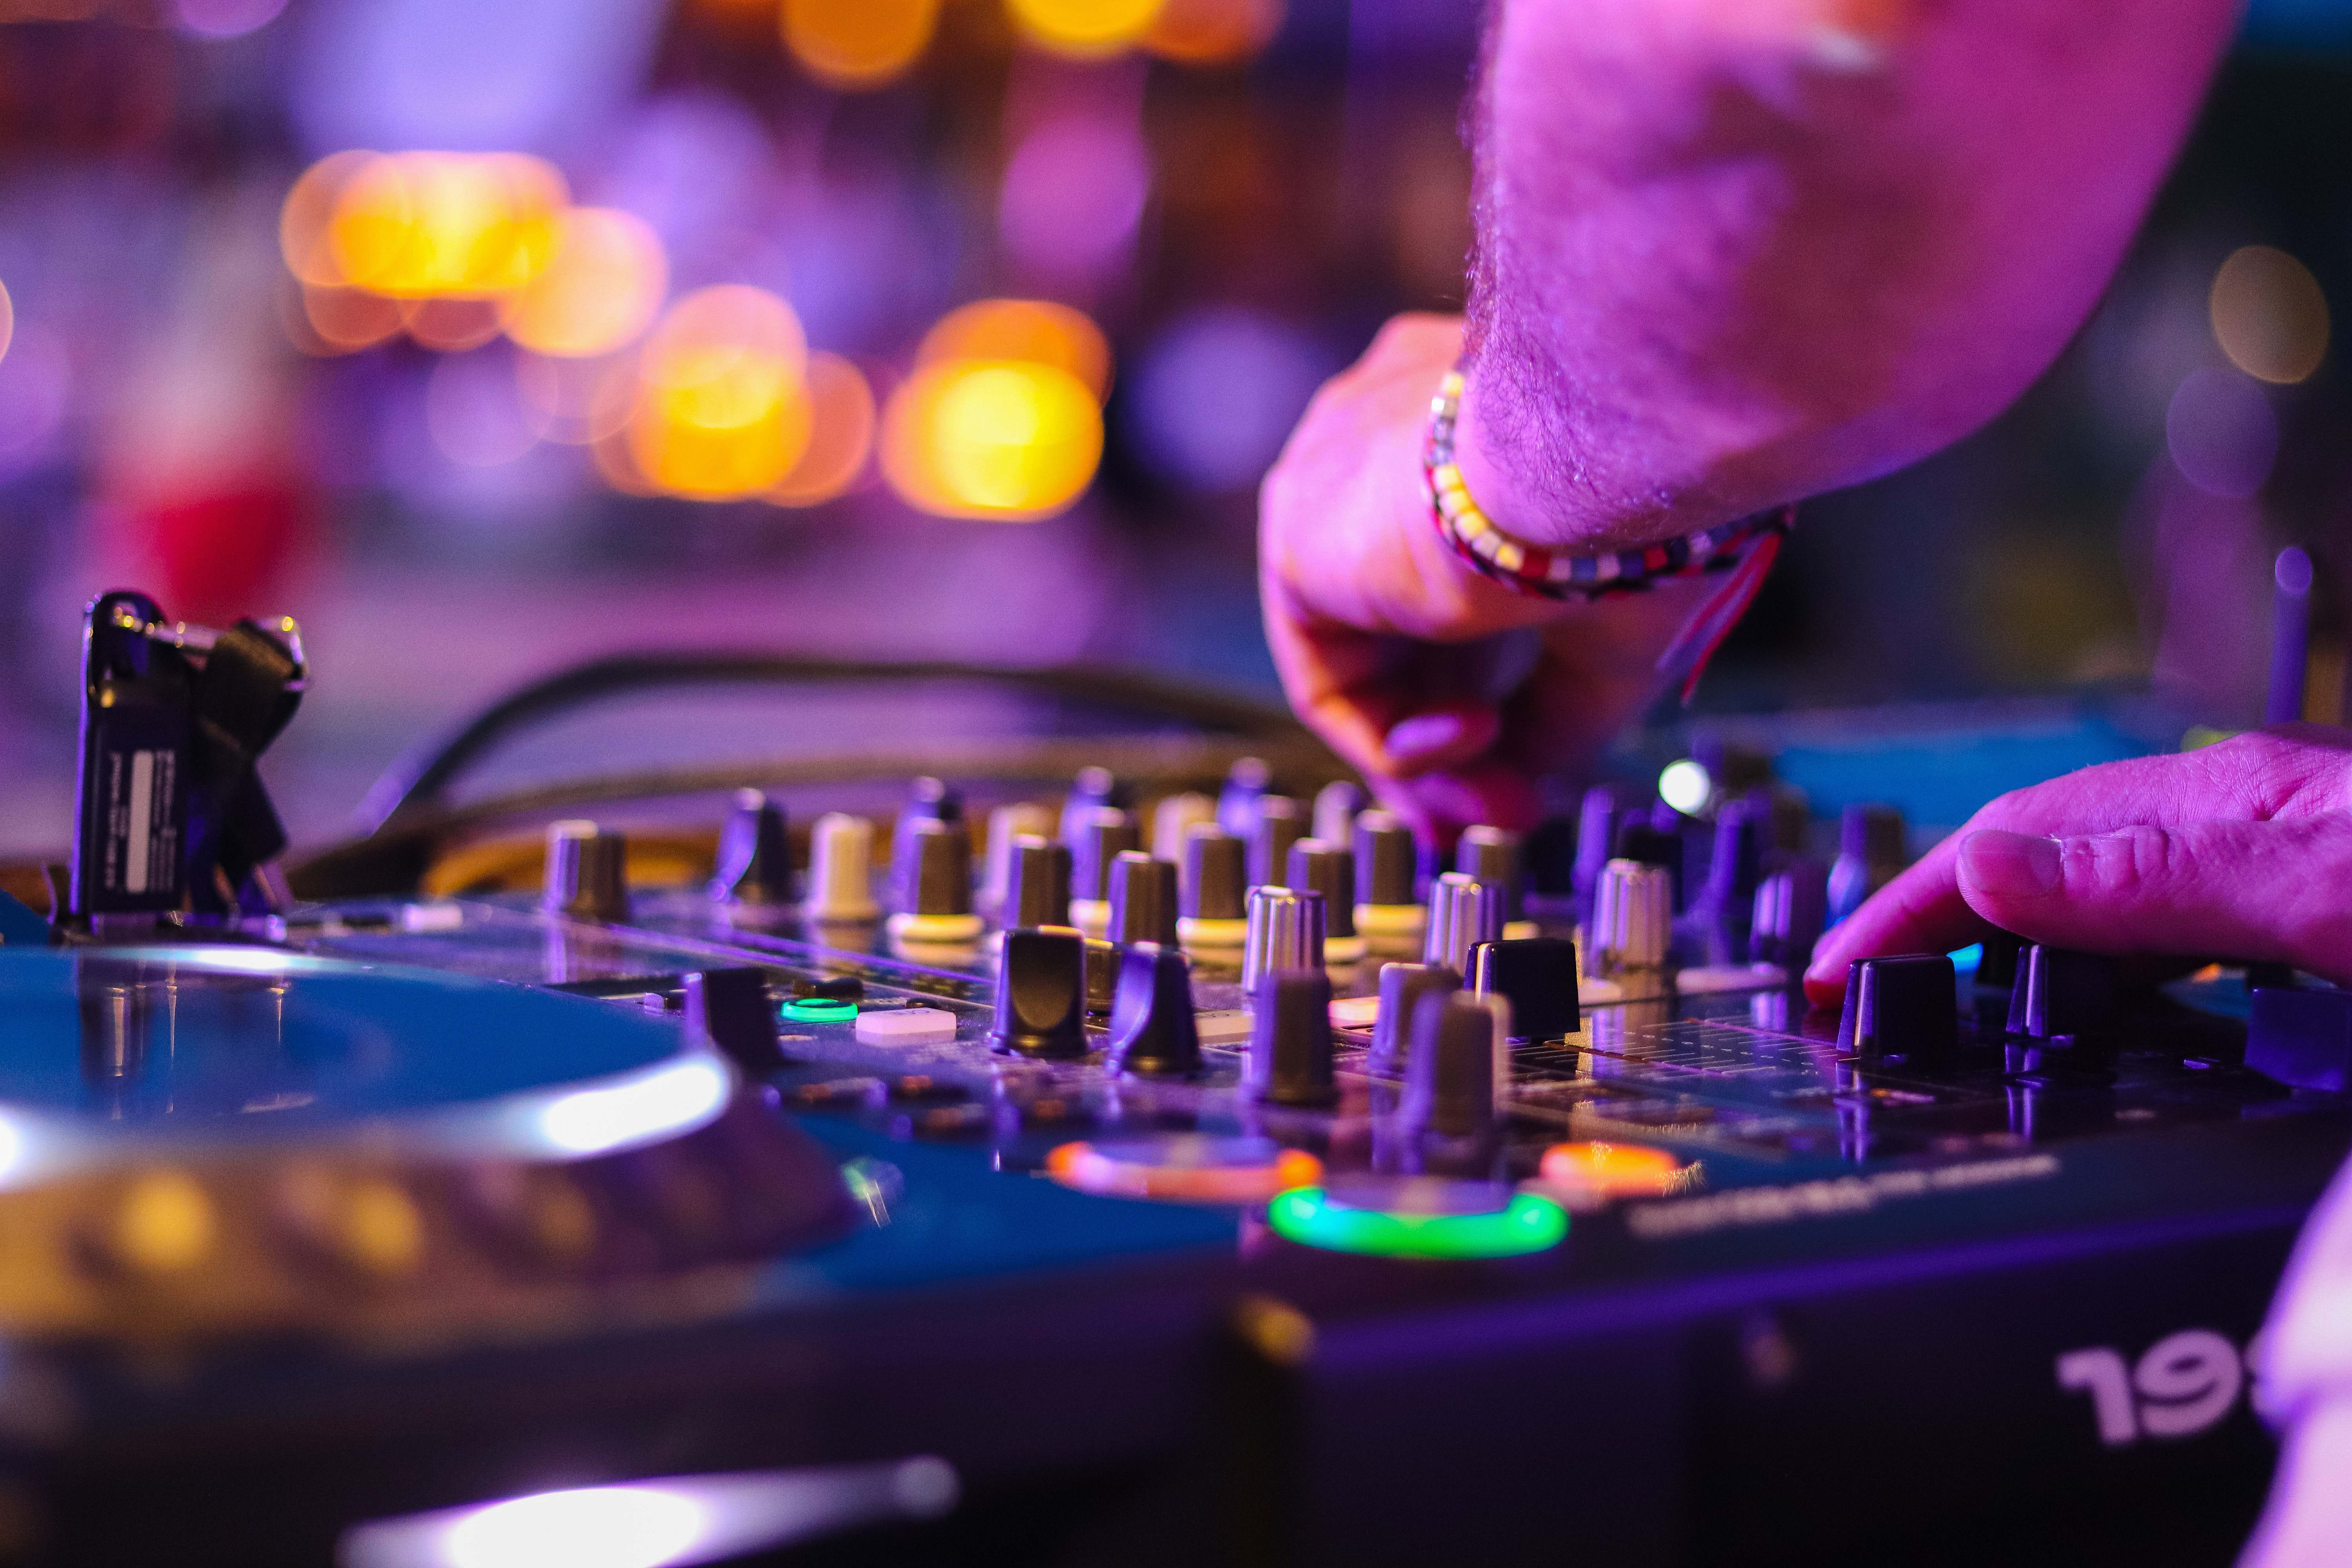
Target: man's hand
[[2241, 850], [1451, 694]]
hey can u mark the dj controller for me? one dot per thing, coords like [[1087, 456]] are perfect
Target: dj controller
[[1128, 1173]]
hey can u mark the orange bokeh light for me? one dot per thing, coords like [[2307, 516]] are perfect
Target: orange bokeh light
[[1212, 32], [1035, 331], [859, 43], [1005, 439], [346, 320], [599, 290], [841, 433], [722, 408], [438, 225]]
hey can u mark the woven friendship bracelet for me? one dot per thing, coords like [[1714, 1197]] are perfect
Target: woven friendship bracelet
[[1554, 575]]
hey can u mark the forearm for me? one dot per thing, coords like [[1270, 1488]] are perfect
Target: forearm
[[1734, 252]]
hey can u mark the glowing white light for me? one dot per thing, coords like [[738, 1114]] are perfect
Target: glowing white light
[[242, 959], [672, 1100], [1685, 786], [596, 1527]]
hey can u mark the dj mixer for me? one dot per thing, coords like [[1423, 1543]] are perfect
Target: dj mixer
[[1134, 1175]]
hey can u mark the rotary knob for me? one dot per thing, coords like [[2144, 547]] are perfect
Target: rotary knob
[[1402, 986], [1870, 854], [1336, 805], [1316, 866], [586, 872], [1041, 995], [1287, 930], [1245, 785], [730, 1008], [2062, 997], [1632, 917], [1388, 871], [1791, 910], [1152, 1028], [1494, 855], [934, 879], [1210, 906], [755, 863], [1038, 891], [1279, 825], [1536, 976], [1104, 835], [1463, 912], [1457, 1067], [841, 868], [1007, 827], [1291, 1059], [1142, 900], [1172, 821]]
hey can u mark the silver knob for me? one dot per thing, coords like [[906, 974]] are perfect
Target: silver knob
[[1336, 805], [1463, 912], [841, 868], [1632, 917], [1286, 931], [586, 880]]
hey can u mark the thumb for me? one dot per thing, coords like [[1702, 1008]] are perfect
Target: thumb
[[2256, 891]]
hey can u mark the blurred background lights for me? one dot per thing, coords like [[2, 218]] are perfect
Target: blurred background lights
[[841, 435], [1009, 439], [474, 413], [305, 220], [859, 43], [1034, 330], [599, 290], [7, 320], [596, 1527], [723, 405], [1212, 32], [2268, 315], [1217, 393], [2222, 434], [1085, 27], [227, 18], [1073, 195], [346, 320], [449, 326], [573, 401], [428, 225]]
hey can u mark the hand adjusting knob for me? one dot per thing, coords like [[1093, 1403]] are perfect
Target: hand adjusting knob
[[2062, 997]]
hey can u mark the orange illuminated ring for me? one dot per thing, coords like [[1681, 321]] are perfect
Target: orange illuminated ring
[[1180, 1179], [1611, 1170]]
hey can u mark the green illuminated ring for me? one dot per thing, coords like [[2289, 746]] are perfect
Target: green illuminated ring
[[820, 1010], [1307, 1216]]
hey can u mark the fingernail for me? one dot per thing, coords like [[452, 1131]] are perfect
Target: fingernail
[[2015, 863], [1423, 733]]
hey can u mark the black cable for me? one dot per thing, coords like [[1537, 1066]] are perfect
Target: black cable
[[417, 782]]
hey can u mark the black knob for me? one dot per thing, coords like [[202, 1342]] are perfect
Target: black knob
[[930, 797], [1329, 870], [1903, 1006], [1215, 886], [730, 1008], [1452, 1066], [2302, 1038], [1290, 1040], [1104, 835], [1790, 912], [1142, 898], [1537, 975], [1742, 829], [1548, 859], [1041, 995], [1280, 824], [1403, 986], [1038, 889], [1102, 975], [1997, 970], [1494, 855], [934, 870], [1870, 853], [586, 872], [2060, 995], [755, 861], [1388, 862], [1245, 784], [1152, 1028]]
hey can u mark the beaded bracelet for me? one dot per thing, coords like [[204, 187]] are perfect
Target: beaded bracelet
[[1746, 547], [1531, 569]]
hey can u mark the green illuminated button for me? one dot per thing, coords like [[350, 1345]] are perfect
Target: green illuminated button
[[820, 1010], [1312, 1217]]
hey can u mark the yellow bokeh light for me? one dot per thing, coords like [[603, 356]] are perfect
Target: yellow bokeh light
[[1085, 27], [992, 438], [423, 225], [722, 408], [841, 433], [305, 221], [1212, 32], [600, 288], [1034, 331], [859, 43], [450, 326], [2268, 315]]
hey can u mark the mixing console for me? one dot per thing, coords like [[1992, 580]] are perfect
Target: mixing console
[[1141, 1175]]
